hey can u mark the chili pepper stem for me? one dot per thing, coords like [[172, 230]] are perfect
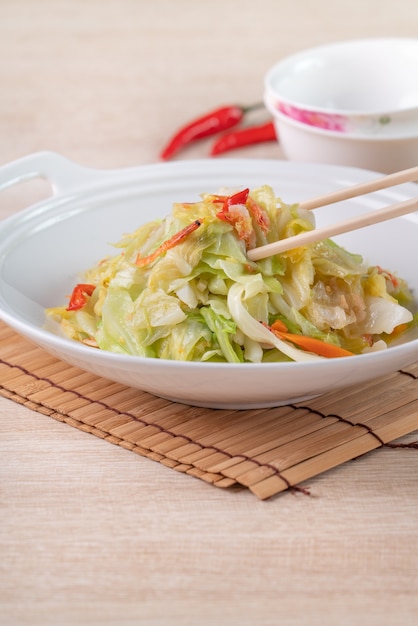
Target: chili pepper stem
[[252, 107]]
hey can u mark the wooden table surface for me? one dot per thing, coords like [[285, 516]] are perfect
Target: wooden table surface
[[91, 533]]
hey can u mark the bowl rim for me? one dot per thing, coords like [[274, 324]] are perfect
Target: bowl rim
[[344, 112]]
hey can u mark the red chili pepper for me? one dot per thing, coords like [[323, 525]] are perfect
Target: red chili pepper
[[244, 137], [79, 296], [240, 197], [205, 126]]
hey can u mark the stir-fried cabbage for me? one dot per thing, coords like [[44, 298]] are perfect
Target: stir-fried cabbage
[[183, 288]]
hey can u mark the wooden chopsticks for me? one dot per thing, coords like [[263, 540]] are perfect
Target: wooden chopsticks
[[404, 176], [373, 217]]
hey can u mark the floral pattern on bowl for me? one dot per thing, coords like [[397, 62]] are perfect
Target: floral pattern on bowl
[[326, 121], [345, 124]]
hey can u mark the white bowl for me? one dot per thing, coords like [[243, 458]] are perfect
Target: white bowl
[[358, 86], [350, 103], [310, 144], [44, 249]]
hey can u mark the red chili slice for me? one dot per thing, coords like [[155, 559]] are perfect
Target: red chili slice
[[79, 296]]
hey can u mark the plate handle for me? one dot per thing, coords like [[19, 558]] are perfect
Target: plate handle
[[62, 174]]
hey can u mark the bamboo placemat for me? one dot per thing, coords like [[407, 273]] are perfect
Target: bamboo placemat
[[265, 450]]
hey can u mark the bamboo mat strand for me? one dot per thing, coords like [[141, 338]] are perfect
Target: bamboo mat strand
[[265, 450]]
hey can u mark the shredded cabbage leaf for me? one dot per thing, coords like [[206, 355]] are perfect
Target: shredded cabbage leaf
[[183, 288]]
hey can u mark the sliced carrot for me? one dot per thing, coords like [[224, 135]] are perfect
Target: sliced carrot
[[311, 344], [398, 330], [279, 326]]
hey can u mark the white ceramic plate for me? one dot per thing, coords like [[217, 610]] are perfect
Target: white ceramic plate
[[44, 249]]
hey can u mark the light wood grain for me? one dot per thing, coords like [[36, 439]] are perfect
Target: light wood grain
[[266, 450], [84, 539]]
